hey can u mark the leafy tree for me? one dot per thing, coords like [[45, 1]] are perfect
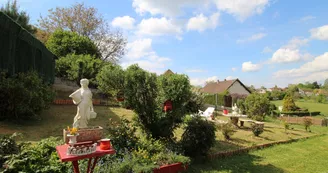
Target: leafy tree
[[140, 91], [325, 84], [12, 10], [41, 35], [86, 21], [289, 104], [257, 106], [321, 98], [146, 94], [252, 88], [110, 79], [62, 43], [75, 67], [315, 85]]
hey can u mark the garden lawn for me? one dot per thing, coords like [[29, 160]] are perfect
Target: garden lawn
[[310, 156], [273, 131], [312, 106], [51, 122]]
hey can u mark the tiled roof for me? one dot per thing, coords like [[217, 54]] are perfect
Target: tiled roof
[[217, 87]]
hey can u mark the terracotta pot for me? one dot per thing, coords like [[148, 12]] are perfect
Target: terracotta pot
[[105, 144]]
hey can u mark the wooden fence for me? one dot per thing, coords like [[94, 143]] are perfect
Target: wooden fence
[[300, 120], [21, 52], [70, 102]]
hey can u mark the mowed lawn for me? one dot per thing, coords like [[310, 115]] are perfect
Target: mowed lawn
[[323, 108], [51, 122], [305, 156]]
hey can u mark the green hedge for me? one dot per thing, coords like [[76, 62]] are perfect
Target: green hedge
[[301, 113]]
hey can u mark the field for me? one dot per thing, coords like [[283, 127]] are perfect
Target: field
[[310, 156], [323, 108]]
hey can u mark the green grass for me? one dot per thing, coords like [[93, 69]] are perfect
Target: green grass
[[273, 131], [323, 108], [51, 122], [310, 156]]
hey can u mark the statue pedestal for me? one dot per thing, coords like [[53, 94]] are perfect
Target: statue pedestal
[[86, 134]]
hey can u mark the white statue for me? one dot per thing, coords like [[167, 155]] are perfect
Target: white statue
[[83, 99], [235, 110]]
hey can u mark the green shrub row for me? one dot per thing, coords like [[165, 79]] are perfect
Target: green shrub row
[[302, 113]]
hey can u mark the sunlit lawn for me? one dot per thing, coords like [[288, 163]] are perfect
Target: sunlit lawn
[[312, 106], [52, 121], [310, 156]]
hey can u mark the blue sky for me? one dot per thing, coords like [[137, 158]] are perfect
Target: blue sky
[[261, 42]]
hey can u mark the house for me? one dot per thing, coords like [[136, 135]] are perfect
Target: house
[[168, 72], [232, 86], [305, 92], [261, 91]]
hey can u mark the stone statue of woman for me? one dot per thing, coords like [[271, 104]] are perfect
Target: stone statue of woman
[[83, 99]]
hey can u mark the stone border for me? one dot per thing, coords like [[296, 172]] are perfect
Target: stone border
[[256, 147]]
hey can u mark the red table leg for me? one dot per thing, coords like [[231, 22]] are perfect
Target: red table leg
[[76, 166], [89, 165], [93, 165]]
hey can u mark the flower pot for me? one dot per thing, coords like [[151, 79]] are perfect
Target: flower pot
[[105, 144], [172, 168], [72, 139], [225, 111]]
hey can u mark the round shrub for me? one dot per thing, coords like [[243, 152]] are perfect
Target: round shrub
[[257, 129], [227, 130], [198, 137]]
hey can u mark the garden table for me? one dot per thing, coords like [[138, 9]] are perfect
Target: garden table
[[62, 150]]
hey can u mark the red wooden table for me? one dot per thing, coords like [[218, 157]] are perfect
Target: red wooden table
[[62, 150]]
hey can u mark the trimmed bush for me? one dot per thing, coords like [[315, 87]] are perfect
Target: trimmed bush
[[257, 129], [227, 129], [257, 106], [198, 137], [302, 113], [307, 123], [289, 104], [23, 95]]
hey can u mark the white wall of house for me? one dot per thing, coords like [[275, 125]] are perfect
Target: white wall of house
[[238, 88]]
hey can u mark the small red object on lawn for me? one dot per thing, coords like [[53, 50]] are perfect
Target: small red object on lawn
[[105, 144], [225, 111]]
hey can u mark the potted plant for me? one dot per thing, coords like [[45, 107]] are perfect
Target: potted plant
[[72, 135]]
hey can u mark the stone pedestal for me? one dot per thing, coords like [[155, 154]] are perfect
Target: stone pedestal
[[86, 134]]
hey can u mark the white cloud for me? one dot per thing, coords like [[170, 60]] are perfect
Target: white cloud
[[234, 69], [285, 56], [307, 18], [296, 42], [266, 50], [195, 71], [250, 67], [290, 52], [139, 48], [158, 27], [125, 22], [254, 37], [165, 7], [212, 79], [230, 78], [318, 64], [320, 33], [242, 9], [202, 81], [140, 52], [201, 22]]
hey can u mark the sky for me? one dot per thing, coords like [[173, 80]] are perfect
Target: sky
[[260, 42]]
